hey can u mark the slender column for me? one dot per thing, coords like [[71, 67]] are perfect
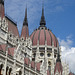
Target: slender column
[[5, 63], [14, 69]]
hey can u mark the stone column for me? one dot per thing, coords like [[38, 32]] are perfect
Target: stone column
[[5, 62]]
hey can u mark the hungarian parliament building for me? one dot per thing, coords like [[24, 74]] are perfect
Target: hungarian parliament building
[[35, 54]]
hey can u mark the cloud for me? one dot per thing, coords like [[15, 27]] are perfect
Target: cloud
[[68, 52], [16, 10]]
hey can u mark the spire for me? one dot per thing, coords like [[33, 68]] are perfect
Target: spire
[[42, 22], [58, 66], [58, 57], [25, 19], [25, 30], [1, 8]]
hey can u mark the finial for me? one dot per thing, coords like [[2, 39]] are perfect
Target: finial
[[42, 22], [58, 57], [25, 20]]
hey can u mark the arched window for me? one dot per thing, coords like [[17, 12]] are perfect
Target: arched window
[[7, 70], [1, 66], [20, 73], [48, 54], [41, 61], [41, 54], [10, 71], [49, 63]]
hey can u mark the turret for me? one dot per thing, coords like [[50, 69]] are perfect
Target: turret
[[1, 8], [25, 31], [42, 21], [58, 67]]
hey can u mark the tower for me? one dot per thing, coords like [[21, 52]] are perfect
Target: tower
[[44, 45], [58, 67], [2, 8], [25, 31]]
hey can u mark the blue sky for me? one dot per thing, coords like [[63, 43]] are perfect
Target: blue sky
[[60, 18]]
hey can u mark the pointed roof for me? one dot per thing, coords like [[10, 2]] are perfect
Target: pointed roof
[[2, 1], [25, 19], [25, 30], [42, 22], [2, 9], [58, 66]]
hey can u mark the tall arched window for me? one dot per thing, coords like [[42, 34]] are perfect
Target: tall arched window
[[1, 66], [7, 70], [10, 71], [20, 73]]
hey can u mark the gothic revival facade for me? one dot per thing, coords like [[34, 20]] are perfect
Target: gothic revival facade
[[35, 54]]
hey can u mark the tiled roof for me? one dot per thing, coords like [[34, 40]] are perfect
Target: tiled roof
[[11, 51], [32, 64], [27, 60], [38, 66], [58, 67], [12, 27], [43, 35], [25, 32], [3, 47]]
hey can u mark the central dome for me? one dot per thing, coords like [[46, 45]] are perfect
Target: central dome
[[43, 36]]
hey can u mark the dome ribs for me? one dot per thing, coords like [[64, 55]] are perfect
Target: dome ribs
[[39, 35], [42, 38], [35, 39], [53, 39], [45, 35], [48, 38]]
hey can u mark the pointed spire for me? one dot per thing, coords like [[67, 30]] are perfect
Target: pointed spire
[[25, 19], [2, 8], [58, 57], [43, 22], [25, 30]]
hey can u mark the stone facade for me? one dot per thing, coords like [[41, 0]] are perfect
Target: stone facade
[[18, 55]]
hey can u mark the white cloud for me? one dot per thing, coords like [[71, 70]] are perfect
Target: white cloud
[[68, 52]]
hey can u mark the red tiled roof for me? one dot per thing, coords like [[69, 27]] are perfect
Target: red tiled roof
[[38, 66], [12, 27], [42, 38], [1, 10], [43, 35], [27, 61], [3, 47], [11, 51], [48, 72], [25, 32], [32, 64], [58, 67], [35, 38]]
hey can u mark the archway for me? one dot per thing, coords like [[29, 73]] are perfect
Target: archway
[[10, 71], [1, 66]]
